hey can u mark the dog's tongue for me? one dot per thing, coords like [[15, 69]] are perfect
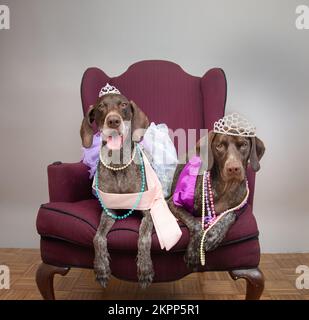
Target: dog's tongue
[[114, 142]]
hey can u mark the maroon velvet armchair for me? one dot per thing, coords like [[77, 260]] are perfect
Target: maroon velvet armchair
[[67, 224]]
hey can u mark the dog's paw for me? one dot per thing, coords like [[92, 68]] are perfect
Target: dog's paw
[[212, 241], [217, 232], [192, 259], [192, 255], [102, 274], [145, 279], [145, 274], [102, 279]]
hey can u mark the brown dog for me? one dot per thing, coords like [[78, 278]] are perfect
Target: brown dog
[[228, 157], [111, 113]]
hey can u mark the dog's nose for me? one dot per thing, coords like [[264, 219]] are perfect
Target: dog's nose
[[113, 121], [233, 169]]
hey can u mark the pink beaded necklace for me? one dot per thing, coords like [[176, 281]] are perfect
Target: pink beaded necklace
[[209, 220]]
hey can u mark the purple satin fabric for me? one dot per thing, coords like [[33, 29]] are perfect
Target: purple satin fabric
[[184, 192]]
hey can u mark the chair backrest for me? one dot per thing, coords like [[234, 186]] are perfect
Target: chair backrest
[[165, 92]]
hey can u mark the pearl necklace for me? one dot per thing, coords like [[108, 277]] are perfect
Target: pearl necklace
[[138, 199], [117, 168], [209, 221]]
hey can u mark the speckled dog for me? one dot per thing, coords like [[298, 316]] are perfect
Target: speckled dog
[[228, 157], [110, 113]]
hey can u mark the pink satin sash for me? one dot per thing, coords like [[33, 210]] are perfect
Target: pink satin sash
[[165, 223]]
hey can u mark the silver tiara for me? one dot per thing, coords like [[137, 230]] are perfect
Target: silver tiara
[[108, 89], [235, 125]]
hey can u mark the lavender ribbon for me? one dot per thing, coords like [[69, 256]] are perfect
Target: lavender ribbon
[[91, 155]]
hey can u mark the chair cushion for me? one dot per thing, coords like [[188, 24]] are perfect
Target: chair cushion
[[77, 223], [168, 266]]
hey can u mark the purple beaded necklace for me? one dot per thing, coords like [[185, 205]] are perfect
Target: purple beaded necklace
[[212, 217], [209, 201]]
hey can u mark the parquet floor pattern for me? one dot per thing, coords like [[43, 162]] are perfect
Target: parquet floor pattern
[[279, 271]]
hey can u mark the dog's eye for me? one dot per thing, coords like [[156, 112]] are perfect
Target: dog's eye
[[219, 146], [244, 145], [102, 106], [124, 104]]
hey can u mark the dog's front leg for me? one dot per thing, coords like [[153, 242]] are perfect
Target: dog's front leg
[[101, 261], [145, 270], [217, 233], [192, 257]]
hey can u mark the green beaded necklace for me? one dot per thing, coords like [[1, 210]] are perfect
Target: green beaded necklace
[[139, 197]]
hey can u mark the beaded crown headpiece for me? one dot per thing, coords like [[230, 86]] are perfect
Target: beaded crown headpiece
[[235, 125], [108, 89]]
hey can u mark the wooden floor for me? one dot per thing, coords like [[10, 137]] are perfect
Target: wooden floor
[[279, 271]]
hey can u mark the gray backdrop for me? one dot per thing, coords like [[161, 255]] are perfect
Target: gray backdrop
[[51, 43]]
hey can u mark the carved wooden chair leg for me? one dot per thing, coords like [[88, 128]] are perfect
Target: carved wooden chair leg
[[254, 279], [45, 279]]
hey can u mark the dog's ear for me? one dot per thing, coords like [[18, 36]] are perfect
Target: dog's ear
[[203, 149], [86, 131], [139, 122], [257, 151]]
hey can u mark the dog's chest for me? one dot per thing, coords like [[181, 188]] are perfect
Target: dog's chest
[[128, 180], [231, 198]]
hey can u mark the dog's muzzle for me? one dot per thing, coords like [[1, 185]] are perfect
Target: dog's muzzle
[[114, 131]]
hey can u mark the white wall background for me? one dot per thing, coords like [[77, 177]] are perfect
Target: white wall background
[[51, 43]]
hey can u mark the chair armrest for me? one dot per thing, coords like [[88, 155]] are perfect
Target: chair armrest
[[214, 89], [68, 182]]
